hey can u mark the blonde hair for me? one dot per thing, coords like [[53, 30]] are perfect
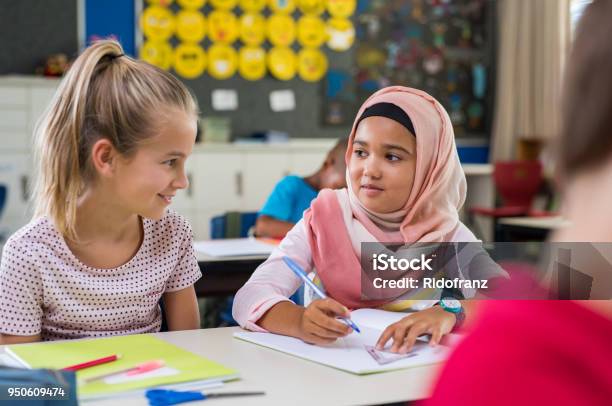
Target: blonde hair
[[105, 94]]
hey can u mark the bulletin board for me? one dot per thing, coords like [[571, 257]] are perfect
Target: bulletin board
[[444, 47]]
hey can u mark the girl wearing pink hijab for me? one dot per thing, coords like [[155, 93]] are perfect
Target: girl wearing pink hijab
[[405, 185]]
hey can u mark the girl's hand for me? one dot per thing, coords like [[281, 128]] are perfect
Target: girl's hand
[[318, 323], [435, 321]]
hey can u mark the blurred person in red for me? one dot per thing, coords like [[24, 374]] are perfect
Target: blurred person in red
[[555, 352]]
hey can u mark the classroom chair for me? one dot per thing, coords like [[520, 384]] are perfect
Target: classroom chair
[[516, 183], [232, 224]]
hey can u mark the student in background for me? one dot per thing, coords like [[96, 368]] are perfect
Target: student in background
[[555, 352], [405, 184], [292, 195], [102, 248]]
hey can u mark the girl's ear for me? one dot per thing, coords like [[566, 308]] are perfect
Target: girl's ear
[[104, 157]]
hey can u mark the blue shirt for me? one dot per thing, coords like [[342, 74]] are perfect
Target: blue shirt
[[290, 197]]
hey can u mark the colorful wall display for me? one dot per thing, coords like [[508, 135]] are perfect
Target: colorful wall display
[[445, 47], [252, 38]]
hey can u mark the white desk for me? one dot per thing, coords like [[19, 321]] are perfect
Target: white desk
[[288, 380], [543, 223]]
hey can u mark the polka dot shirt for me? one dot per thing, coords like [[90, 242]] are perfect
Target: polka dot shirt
[[45, 289]]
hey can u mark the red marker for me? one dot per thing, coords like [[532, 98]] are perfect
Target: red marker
[[92, 363]]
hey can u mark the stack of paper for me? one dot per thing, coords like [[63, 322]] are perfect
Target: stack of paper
[[180, 366], [350, 353], [234, 247]]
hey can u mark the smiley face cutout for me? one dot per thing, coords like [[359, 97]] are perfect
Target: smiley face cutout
[[281, 30], [252, 29], [189, 60], [157, 23], [158, 53], [312, 64], [252, 63], [222, 27], [190, 26], [311, 31], [222, 61]]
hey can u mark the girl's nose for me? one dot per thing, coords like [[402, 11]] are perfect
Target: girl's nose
[[372, 168], [182, 181]]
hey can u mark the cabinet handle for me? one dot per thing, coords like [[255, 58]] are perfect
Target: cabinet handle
[[239, 183], [190, 187], [24, 183]]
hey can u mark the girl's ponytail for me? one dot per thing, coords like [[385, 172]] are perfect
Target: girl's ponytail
[[104, 95]]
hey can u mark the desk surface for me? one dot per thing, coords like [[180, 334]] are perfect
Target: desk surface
[[544, 223], [288, 380]]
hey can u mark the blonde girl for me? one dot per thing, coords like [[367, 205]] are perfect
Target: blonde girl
[[102, 249]]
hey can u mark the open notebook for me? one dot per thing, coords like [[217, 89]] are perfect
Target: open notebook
[[180, 367], [349, 353]]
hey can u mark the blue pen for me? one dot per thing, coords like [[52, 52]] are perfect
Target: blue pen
[[300, 272], [166, 397]]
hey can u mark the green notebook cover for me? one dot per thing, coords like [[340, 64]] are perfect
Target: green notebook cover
[[134, 350]]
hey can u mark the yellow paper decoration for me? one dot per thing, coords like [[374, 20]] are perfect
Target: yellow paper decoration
[[252, 63], [252, 6], [157, 23], [311, 31], [341, 8], [158, 53], [224, 4], [281, 30], [189, 60], [190, 26], [282, 63], [252, 29], [163, 3], [282, 6], [313, 7], [340, 34], [222, 61], [312, 64], [222, 27], [191, 4]]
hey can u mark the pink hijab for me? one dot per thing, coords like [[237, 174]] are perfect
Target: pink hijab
[[429, 215]]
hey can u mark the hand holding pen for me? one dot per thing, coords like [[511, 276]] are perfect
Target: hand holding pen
[[324, 320]]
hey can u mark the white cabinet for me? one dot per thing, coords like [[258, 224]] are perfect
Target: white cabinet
[[218, 181], [40, 99], [262, 170], [238, 178], [306, 163], [22, 102]]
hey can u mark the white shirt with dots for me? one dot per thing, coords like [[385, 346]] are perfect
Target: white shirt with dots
[[45, 289]]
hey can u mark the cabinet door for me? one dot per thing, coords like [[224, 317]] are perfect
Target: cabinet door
[[262, 170], [40, 98], [184, 199], [217, 181], [306, 163], [15, 176]]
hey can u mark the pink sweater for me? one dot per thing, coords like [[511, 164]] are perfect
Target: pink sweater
[[273, 282]]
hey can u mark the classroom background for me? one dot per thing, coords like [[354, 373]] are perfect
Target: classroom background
[[279, 81]]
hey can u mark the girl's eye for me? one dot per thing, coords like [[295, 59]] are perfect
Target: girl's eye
[[170, 162], [392, 157], [360, 153]]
